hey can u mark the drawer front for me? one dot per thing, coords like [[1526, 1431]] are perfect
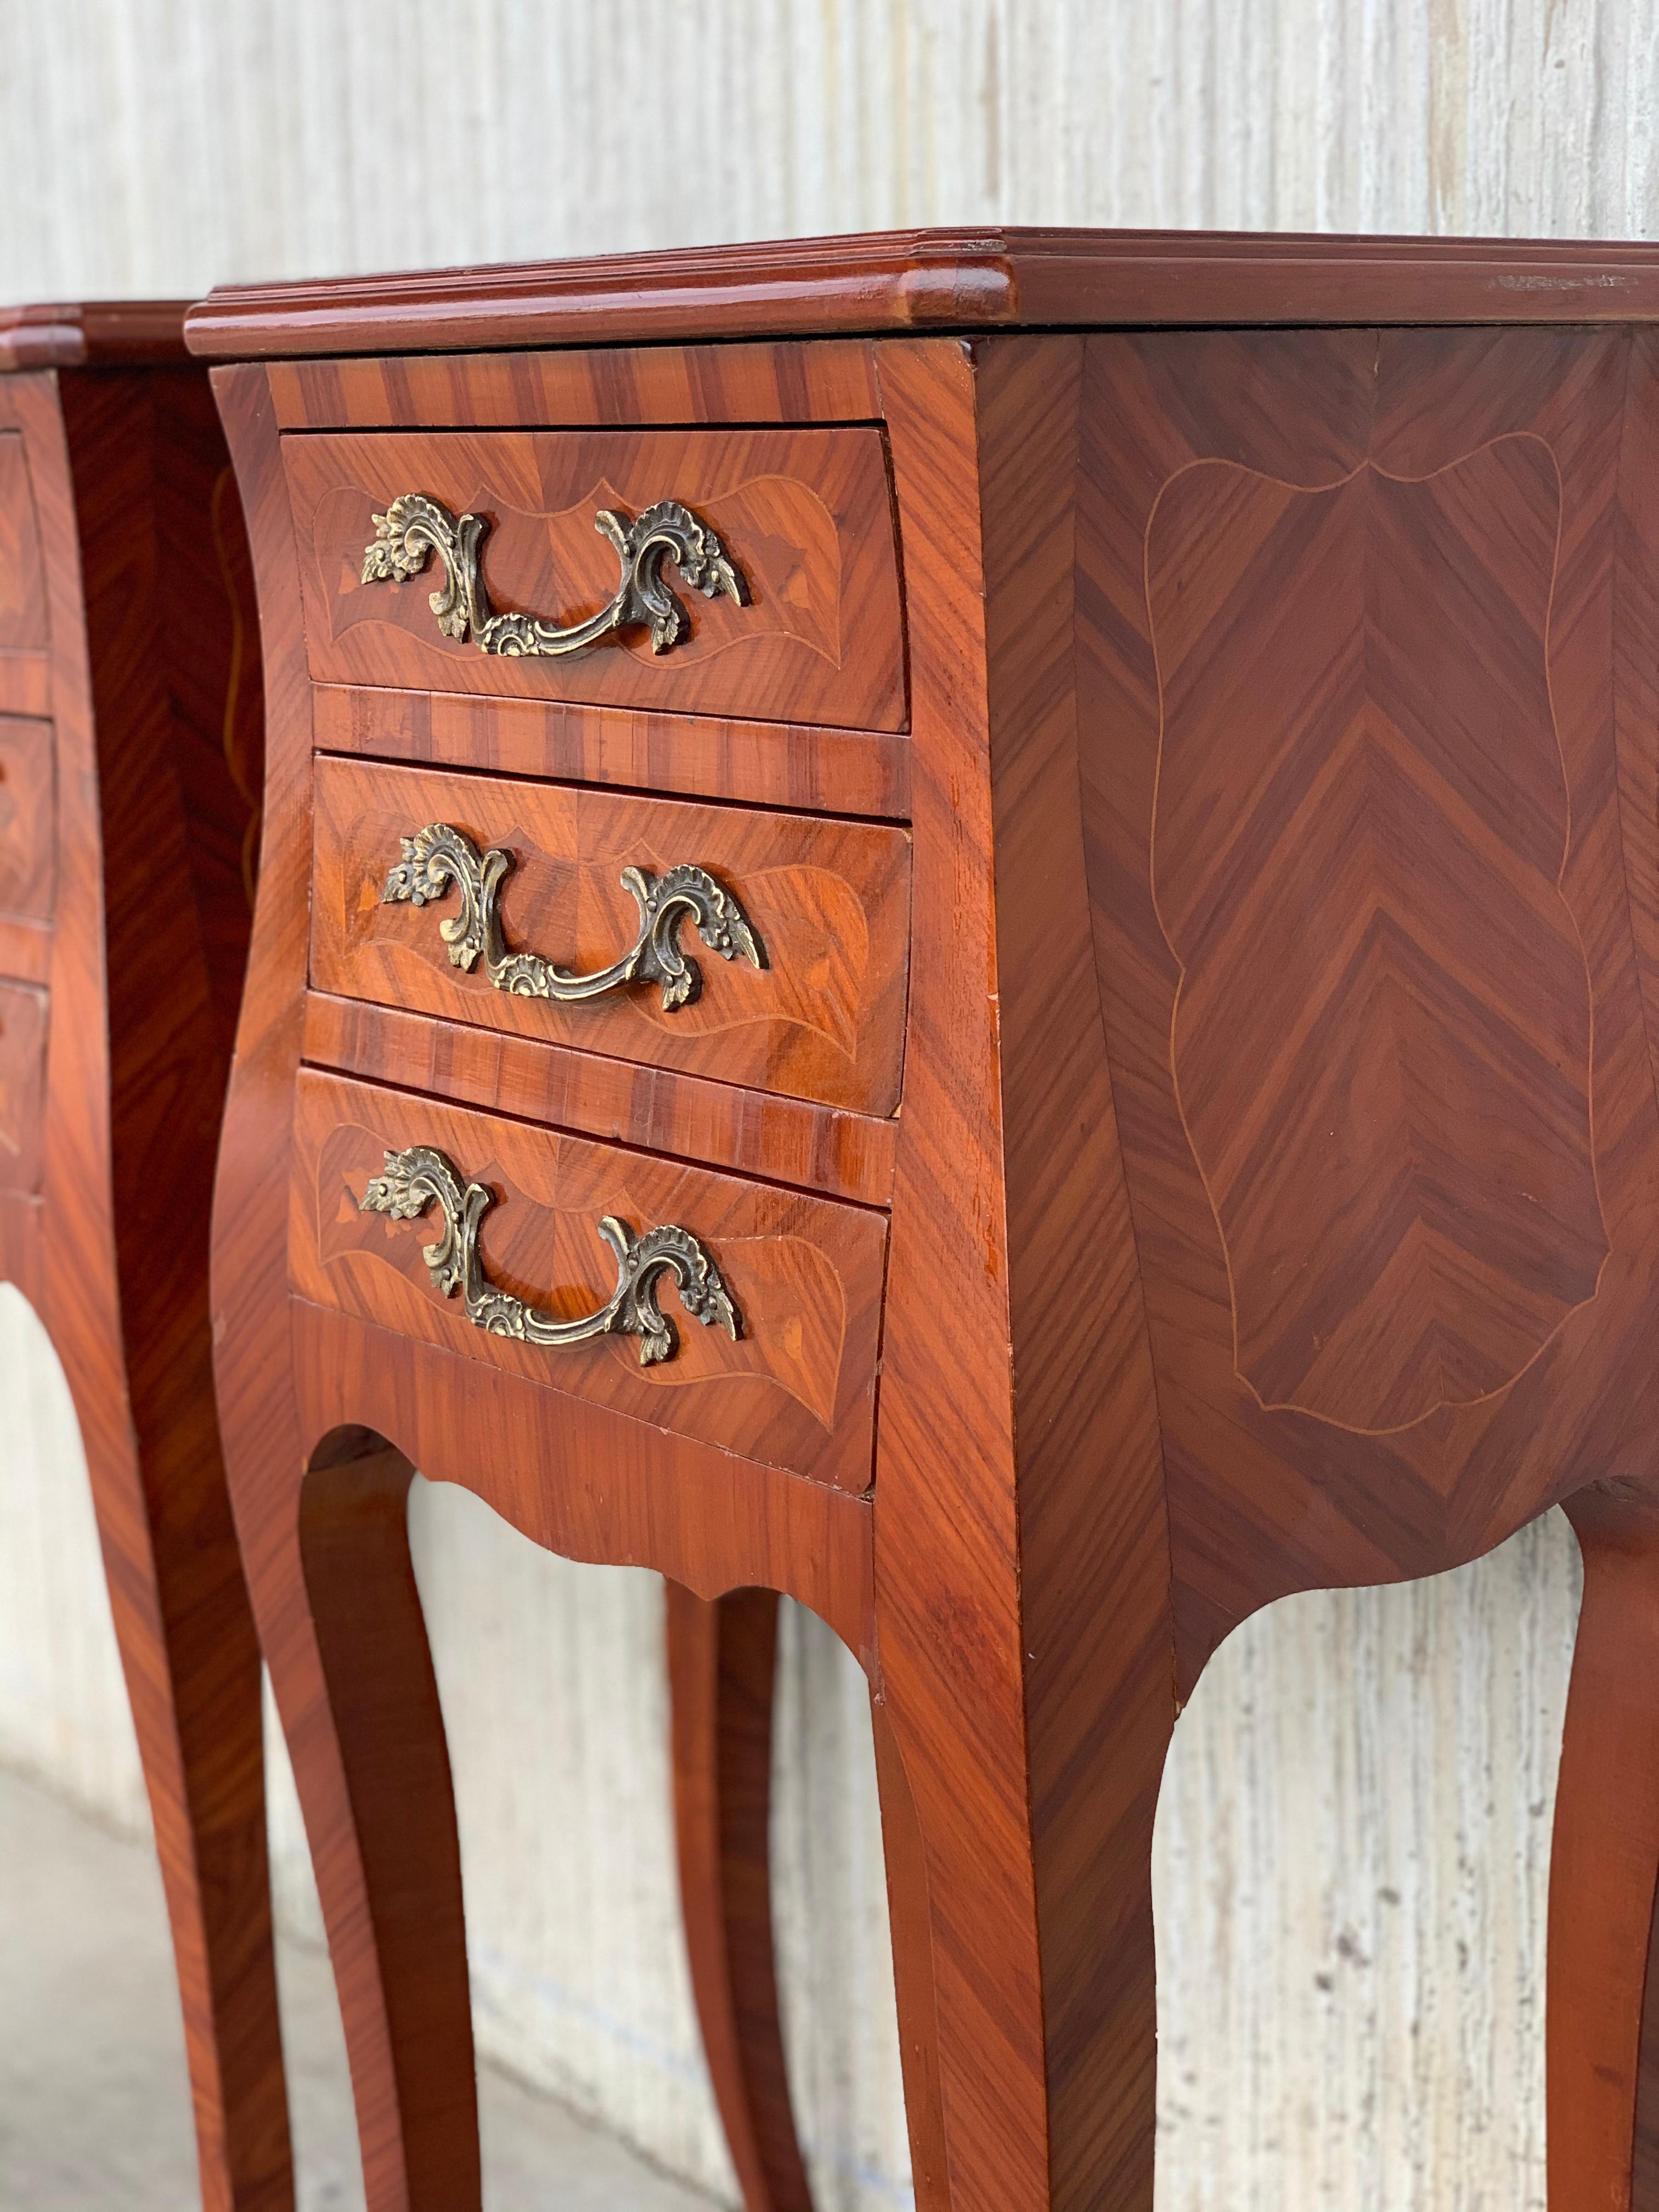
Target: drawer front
[[23, 1085], [27, 824], [22, 581], [795, 1388], [803, 517], [825, 904]]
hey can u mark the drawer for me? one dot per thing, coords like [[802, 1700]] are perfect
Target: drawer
[[23, 1085], [22, 579], [27, 822], [804, 517], [826, 904], [795, 1388]]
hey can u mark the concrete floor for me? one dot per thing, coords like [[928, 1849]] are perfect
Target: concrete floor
[[95, 2104]]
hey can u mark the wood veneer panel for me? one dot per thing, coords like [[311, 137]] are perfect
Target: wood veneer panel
[[28, 828], [1402, 932], [1431, 814], [568, 1473], [823, 1019], [22, 582], [22, 1087], [796, 1389], [765, 764], [1022, 1567], [1097, 1635], [121, 463], [785, 1140], [1001, 276], [25, 951], [25, 683], [829, 383], [805, 514]]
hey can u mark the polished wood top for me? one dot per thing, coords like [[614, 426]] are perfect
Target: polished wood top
[[996, 278], [91, 334]]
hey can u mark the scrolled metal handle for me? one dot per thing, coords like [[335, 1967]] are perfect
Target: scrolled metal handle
[[439, 855], [415, 527], [423, 1176]]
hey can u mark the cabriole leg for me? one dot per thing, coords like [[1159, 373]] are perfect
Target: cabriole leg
[[1603, 2005], [721, 1664]]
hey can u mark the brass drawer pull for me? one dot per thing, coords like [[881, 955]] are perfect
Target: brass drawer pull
[[414, 526], [439, 855], [416, 1179]]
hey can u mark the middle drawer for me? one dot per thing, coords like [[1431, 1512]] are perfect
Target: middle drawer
[[769, 950]]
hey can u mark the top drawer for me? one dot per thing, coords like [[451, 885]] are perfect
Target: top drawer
[[804, 517]]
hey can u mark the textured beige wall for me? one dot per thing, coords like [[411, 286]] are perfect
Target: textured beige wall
[[1353, 1836]]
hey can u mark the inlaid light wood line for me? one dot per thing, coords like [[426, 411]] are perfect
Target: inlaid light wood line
[[1285, 1051]]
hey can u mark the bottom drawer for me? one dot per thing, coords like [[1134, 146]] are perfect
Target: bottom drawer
[[23, 1085], [798, 1278]]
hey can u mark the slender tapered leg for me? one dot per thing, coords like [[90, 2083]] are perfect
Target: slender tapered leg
[[1603, 2016], [192, 1673], [913, 1971], [340, 1619], [722, 1661], [149, 924]]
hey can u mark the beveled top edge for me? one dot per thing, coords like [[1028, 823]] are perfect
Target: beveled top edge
[[92, 333], [967, 280]]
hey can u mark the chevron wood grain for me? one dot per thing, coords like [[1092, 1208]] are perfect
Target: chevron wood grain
[[1271, 1201]]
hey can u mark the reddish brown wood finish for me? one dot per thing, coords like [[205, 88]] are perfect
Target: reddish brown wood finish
[[843, 1155], [1602, 2032], [22, 578], [804, 514], [28, 825], [22, 1087], [1273, 1184], [828, 902], [765, 764], [126, 917], [117, 334], [1001, 277], [796, 1389], [721, 1660], [623, 386]]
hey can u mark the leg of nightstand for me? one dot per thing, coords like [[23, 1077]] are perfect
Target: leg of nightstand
[[912, 1972], [1603, 2012], [192, 1673], [340, 1619], [721, 1658]]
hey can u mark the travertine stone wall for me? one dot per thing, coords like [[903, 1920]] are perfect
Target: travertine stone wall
[[1353, 1836]]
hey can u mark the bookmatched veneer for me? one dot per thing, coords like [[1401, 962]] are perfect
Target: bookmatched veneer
[[1270, 1201]]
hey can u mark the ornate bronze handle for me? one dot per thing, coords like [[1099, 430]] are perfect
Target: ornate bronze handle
[[414, 526], [439, 855], [416, 1179]]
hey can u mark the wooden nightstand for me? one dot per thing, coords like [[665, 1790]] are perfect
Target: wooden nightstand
[[130, 735], [1157, 737]]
